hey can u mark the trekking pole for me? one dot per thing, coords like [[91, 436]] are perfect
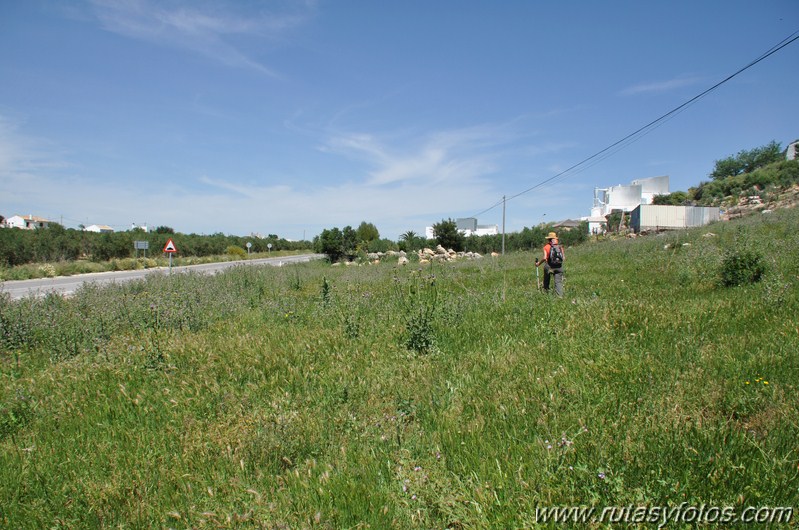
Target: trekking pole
[[537, 281]]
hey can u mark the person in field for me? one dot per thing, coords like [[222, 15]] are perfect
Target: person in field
[[553, 263]]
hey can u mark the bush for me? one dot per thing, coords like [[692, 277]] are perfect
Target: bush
[[741, 267], [236, 252]]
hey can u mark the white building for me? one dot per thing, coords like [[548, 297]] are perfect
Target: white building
[[791, 150], [103, 229], [468, 227], [624, 198], [26, 223]]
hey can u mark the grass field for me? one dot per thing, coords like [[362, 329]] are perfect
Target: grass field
[[449, 396]]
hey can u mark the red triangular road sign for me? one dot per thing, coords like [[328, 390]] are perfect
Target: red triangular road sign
[[170, 246]]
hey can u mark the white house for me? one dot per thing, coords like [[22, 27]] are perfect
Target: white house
[[26, 223], [103, 229]]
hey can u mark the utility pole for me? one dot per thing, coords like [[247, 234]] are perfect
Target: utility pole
[[503, 225]]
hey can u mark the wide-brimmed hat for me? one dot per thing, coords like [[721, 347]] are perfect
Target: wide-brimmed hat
[[552, 235]]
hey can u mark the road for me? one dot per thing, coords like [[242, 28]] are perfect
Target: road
[[66, 285]]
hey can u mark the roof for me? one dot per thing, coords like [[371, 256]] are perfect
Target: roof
[[568, 223], [33, 218]]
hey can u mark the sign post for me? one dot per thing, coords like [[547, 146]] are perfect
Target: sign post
[[170, 249], [141, 245], [249, 245]]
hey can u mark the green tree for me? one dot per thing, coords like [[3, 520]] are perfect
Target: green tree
[[366, 233], [350, 241], [576, 236], [164, 230], [410, 240], [614, 220], [678, 198], [336, 244], [747, 161], [447, 235]]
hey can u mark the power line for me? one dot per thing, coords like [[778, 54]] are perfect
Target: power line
[[649, 127]]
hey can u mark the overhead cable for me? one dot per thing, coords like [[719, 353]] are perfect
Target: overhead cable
[[641, 131]]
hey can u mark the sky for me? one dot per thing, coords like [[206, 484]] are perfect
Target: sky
[[288, 117]]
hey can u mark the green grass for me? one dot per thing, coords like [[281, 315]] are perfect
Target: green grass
[[453, 396]]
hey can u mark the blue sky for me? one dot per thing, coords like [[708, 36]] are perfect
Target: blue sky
[[288, 117]]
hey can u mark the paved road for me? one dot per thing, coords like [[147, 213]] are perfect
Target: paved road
[[66, 285]]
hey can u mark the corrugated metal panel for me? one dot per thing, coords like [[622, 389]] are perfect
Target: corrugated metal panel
[[654, 217]]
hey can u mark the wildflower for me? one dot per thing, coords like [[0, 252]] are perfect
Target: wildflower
[[601, 476], [417, 468], [765, 382], [413, 497]]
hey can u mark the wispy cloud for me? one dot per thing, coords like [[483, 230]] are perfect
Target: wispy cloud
[[459, 156], [660, 86], [20, 154], [205, 29]]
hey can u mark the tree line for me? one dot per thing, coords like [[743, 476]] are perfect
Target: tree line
[[56, 243], [349, 243]]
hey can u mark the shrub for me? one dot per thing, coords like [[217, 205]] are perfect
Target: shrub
[[236, 252], [741, 267]]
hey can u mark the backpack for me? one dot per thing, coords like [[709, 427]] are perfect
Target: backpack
[[555, 259]]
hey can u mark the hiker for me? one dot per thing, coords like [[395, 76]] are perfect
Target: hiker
[[553, 263]]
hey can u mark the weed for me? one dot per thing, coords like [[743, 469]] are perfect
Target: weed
[[295, 282], [325, 291], [418, 299]]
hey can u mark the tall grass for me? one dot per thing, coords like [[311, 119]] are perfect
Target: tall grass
[[452, 396]]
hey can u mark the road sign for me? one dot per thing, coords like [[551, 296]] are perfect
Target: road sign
[[170, 247]]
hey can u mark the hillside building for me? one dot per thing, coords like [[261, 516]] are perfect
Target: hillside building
[[624, 198], [791, 150]]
